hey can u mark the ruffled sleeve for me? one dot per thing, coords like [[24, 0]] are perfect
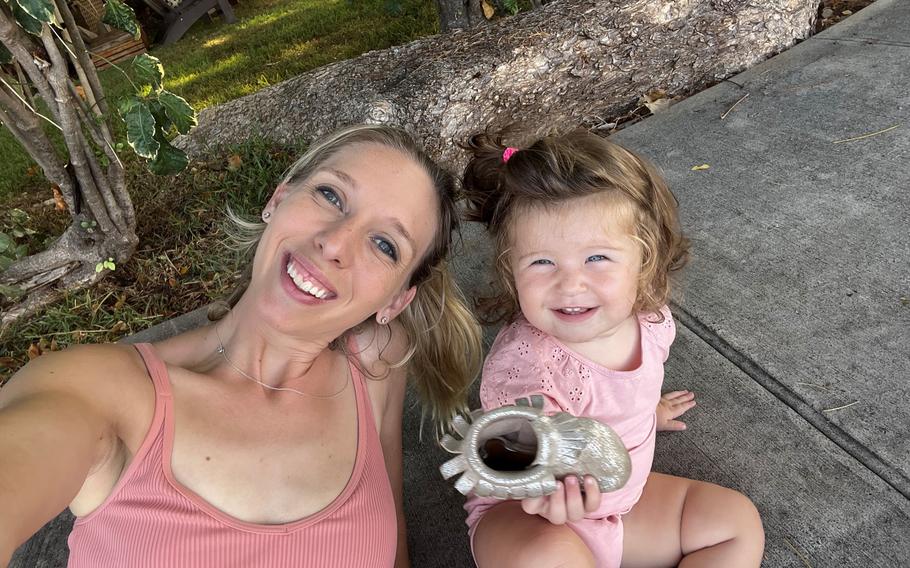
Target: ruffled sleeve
[[659, 333], [522, 362]]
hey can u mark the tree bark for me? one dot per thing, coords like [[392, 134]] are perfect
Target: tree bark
[[459, 14], [571, 62]]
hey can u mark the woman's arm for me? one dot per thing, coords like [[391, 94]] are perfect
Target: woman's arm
[[51, 435]]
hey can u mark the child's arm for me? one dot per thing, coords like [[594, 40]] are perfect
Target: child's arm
[[671, 406]]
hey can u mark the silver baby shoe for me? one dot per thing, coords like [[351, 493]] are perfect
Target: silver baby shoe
[[517, 451]]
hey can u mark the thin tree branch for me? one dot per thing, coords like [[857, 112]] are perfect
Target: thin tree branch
[[73, 136], [25, 102], [28, 132], [23, 82], [86, 62], [21, 45]]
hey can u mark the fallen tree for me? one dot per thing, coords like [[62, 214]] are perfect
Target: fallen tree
[[571, 62]]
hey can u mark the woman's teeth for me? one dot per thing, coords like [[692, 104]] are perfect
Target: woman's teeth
[[305, 285]]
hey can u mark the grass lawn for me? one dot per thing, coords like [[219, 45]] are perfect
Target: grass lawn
[[181, 262], [272, 40]]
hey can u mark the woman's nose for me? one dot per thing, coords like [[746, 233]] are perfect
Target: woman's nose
[[335, 243]]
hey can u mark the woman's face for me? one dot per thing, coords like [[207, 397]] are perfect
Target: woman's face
[[342, 244]]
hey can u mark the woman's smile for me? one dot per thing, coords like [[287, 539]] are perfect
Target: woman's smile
[[306, 278]]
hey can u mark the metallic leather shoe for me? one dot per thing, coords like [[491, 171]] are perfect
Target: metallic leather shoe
[[515, 452]]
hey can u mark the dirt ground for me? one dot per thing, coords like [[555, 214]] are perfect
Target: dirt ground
[[832, 11]]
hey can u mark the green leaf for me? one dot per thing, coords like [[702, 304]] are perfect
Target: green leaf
[[5, 242], [121, 16], [99, 267], [18, 215], [161, 119], [18, 233], [41, 10], [21, 251], [511, 6], [140, 127], [170, 160], [5, 262], [26, 21], [5, 56], [178, 110], [149, 71]]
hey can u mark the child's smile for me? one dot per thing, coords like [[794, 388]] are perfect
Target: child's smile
[[576, 273]]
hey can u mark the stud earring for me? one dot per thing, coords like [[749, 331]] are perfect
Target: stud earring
[[266, 215], [383, 320]]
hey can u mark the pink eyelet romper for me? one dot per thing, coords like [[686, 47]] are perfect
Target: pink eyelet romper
[[150, 520], [524, 361]]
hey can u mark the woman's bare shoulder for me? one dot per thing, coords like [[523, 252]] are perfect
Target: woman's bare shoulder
[[92, 371]]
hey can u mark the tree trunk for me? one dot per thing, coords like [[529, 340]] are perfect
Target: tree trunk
[[571, 62], [459, 14]]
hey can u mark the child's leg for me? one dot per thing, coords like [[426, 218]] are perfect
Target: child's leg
[[691, 523], [508, 537]]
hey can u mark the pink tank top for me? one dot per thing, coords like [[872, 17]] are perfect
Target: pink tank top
[[151, 521]]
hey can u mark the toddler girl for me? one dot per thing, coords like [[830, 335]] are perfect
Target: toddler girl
[[586, 235]]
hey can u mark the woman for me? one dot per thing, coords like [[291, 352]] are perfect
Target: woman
[[273, 436]]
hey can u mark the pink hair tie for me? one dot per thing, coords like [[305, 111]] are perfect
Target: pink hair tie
[[507, 153]]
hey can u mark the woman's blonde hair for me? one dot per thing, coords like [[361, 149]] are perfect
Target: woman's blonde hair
[[556, 169], [445, 339]]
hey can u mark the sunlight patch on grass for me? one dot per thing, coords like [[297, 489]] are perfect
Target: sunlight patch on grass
[[215, 42]]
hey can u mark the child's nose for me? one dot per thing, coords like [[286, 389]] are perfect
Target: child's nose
[[572, 282]]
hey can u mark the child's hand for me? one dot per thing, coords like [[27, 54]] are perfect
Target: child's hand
[[567, 504], [672, 405]]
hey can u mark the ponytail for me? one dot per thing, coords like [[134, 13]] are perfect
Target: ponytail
[[446, 347]]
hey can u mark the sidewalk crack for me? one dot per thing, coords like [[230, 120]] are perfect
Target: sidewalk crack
[[885, 471]]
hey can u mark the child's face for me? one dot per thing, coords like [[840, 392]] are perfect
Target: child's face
[[576, 270]]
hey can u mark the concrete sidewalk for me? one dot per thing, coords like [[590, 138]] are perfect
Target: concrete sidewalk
[[794, 318]]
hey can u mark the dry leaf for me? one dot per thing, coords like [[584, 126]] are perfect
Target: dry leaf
[[488, 10], [658, 106], [701, 167], [80, 90], [59, 203], [171, 281], [33, 351], [656, 101], [121, 300], [54, 346], [119, 326], [234, 163]]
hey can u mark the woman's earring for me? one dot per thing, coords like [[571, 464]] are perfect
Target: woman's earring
[[266, 215], [383, 320]]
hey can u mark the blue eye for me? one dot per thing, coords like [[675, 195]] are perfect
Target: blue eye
[[596, 258], [542, 261], [329, 194], [386, 248]]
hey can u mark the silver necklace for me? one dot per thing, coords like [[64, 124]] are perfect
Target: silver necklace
[[270, 387]]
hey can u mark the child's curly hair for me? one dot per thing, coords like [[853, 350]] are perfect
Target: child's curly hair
[[555, 169]]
